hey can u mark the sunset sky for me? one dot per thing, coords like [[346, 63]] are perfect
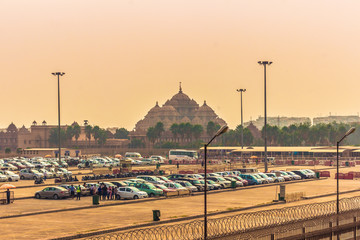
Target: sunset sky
[[120, 57]]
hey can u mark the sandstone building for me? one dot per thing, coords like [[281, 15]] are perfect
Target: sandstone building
[[179, 109]]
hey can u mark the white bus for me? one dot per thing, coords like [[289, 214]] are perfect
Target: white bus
[[181, 154]]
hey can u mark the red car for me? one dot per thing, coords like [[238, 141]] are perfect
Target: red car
[[167, 191]]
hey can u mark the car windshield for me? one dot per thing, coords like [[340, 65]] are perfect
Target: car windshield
[[10, 172], [161, 186], [211, 181], [195, 181], [285, 173], [35, 171], [202, 181], [188, 184], [221, 179], [256, 176], [151, 186], [263, 175], [177, 185]]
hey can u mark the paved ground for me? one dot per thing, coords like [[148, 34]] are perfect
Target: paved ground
[[80, 221]]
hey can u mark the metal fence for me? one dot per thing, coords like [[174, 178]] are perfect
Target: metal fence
[[255, 225]]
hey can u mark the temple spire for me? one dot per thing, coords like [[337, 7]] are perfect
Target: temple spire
[[180, 89]]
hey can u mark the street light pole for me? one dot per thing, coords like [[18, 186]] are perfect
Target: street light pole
[[242, 125], [350, 131], [58, 74], [222, 130], [264, 63]]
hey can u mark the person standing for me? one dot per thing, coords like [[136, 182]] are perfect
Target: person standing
[[8, 196], [72, 191], [78, 193]]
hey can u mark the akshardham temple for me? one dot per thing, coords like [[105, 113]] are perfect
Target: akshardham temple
[[179, 109]]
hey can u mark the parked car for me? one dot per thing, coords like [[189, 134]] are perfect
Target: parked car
[[276, 178], [311, 172], [84, 190], [195, 182], [130, 193], [158, 159], [52, 192], [167, 191], [302, 174], [8, 166], [165, 179], [181, 190], [10, 176], [3, 178], [295, 176], [212, 183], [252, 180], [269, 179], [151, 179], [30, 174], [149, 188], [244, 182], [187, 185], [238, 183], [174, 177], [46, 173], [119, 184], [223, 183]]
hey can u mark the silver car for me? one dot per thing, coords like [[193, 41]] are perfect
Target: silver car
[[52, 192]]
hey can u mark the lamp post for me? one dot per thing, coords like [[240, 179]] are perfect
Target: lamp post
[[264, 63], [242, 126], [222, 130], [350, 131], [58, 74]]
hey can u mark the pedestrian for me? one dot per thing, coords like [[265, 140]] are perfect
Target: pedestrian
[[78, 193], [108, 193], [104, 191], [99, 191], [72, 191], [113, 193], [8, 196], [177, 165]]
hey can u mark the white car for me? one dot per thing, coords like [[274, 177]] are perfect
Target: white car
[[3, 178], [46, 173], [10, 175], [130, 193]]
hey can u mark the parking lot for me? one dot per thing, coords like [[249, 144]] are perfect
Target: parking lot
[[74, 221]]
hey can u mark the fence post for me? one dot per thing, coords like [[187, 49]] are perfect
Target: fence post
[[331, 233], [273, 236], [355, 228]]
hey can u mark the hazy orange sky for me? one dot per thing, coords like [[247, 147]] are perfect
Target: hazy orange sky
[[120, 57]]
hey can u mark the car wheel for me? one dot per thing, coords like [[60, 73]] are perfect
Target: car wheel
[[22, 177], [136, 197], [276, 180], [10, 180], [150, 195], [37, 196], [56, 196]]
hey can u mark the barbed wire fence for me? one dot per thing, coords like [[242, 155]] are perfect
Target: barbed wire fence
[[253, 225]]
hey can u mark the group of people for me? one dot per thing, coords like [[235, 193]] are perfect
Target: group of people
[[105, 193], [77, 190]]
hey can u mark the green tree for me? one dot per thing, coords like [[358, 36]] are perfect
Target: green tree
[[136, 143], [159, 129], [151, 134], [175, 130], [102, 136], [76, 132], [197, 131], [96, 133], [54, 136], [69, 134], [88, 131], [121, 133], [211, 128], [7, 150]]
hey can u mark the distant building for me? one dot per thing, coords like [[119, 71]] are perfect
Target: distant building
[[278, 121], [179, 109], [337, 119]]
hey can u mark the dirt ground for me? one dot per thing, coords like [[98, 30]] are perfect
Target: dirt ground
[[59, 224]]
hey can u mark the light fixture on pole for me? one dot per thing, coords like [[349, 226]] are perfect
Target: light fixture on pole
[[242, 125], [350, 131], [264, 63], [222, 130], [58, 74]]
